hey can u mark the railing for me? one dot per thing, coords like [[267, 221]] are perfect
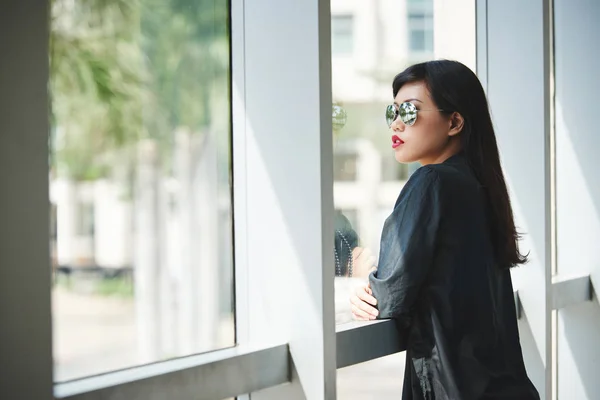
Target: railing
[[237, 371]]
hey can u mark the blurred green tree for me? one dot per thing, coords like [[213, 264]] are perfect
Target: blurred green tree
[[123, 70]]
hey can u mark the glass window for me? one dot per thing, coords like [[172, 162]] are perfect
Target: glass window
[[361, 87], [342, 34], [345, 166], [420, 26], [417, 40], [416, 18], [140, 171]]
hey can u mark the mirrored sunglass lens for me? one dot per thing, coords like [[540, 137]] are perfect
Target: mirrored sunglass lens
[[408, 113], [390, 114]]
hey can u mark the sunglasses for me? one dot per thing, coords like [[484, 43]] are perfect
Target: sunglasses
[[407, 112]]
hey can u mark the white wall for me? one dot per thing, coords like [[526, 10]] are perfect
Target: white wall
[[454, 31], [577, 53]]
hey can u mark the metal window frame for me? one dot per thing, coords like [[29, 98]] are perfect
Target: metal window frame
[[359, 342], [216, 375], [25, 270]]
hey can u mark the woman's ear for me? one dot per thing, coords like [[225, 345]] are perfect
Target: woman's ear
[[457, 122]]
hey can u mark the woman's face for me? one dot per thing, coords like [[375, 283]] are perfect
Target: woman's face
[[429, 138]]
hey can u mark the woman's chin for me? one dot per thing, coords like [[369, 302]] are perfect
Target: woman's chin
[[403, 158]]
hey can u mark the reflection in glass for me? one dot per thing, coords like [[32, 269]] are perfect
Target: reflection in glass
[[139, 186], [346, 240]]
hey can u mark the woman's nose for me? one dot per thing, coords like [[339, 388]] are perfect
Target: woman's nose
[[398, 125]]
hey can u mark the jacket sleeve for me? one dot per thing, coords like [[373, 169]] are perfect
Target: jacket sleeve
[[408, 243]]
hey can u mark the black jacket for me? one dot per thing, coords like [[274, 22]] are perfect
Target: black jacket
[[438, 278]]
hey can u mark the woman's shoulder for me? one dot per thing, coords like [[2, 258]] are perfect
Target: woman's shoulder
[[452, 173], [423, 178], [424, 182], [436, 180]]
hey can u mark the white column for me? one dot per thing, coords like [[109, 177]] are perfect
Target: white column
[[515, 65], [577, 52], [112, 225], [147, 254], [283, 182], [454, 31], [205, 245], [182, 248], [66, 221]]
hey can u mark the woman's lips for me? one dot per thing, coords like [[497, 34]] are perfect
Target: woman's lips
[[396, 141]]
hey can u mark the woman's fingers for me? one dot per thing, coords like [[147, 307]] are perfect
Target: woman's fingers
[[361, 315], [364, 302], [362, 310], [366, 295], [358, 309]]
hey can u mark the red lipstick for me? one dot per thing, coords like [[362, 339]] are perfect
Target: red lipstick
[[396, 141]]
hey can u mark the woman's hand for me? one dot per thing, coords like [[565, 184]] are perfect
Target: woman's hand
[[363, 304], [363, 262]]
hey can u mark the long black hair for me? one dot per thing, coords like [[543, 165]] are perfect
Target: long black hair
[[455, 88]]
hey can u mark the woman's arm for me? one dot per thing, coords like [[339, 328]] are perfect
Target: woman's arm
[[408, 244]]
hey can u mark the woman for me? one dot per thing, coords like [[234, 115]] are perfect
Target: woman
[[448, 245]]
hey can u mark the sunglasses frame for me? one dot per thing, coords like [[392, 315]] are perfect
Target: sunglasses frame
[[410, 113]]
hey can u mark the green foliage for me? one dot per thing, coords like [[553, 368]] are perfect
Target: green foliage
[[118, 287], [123, 70]]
